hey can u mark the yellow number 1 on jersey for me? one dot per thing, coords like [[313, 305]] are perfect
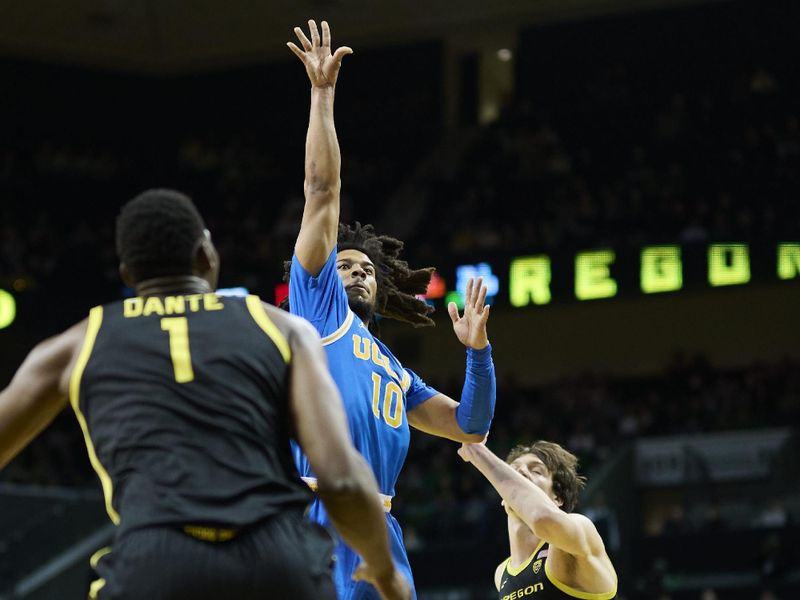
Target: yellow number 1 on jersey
[[178, 328]]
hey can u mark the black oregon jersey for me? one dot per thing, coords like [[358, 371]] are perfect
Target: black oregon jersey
[[183, 404], [532, 581]]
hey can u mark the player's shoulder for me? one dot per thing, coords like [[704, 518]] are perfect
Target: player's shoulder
[[70, 341], [51, 361]]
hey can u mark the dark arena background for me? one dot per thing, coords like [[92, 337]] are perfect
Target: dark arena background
[[624, 174]]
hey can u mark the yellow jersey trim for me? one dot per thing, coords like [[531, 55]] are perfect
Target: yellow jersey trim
[[577, 593], [94, 589], [95, 320], [95, 559], [210, 534], [260, 317], [516, 571], [336, 335]]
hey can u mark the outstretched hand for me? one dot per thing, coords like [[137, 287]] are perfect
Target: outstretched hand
[[470, 329], [465, 452], [322, 66], [468, 451]]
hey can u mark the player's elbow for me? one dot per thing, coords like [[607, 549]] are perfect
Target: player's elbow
[[339, 487], [320, 186], [348, 479]]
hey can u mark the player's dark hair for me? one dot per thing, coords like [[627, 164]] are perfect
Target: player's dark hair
[[398, 284], [562, 465], [157, 235]]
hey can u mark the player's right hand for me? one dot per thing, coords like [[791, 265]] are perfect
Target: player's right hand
[[393, 586], [322, 66], [470, 329]]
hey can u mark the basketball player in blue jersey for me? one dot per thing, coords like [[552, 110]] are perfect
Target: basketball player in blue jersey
[[339, 279], [555, 554], [187, 401]]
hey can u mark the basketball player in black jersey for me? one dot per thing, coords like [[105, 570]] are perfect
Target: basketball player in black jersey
[[555, 553], [187, 401]]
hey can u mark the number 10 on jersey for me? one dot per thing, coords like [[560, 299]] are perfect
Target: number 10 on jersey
[[392, 396]]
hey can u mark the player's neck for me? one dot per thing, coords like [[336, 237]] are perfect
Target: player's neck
[[521, 539], [182, 284]]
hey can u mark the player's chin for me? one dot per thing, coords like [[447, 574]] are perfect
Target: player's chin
[[361, 306]]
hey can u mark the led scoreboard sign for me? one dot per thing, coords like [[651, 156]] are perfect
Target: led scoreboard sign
[[604, 273], [540, 279]]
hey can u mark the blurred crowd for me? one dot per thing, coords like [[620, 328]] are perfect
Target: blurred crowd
[[591, 415], [439, 498], [626, 151], [626, 169], [617, 161]]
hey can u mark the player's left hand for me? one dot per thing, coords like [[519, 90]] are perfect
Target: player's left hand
[[470, 328]]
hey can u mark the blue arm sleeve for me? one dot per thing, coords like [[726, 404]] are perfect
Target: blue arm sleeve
[[474, 414]]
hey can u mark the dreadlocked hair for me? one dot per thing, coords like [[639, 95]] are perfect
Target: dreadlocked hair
[[398, 284]]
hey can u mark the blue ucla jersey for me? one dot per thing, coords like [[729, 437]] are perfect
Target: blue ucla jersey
[[375, 388]]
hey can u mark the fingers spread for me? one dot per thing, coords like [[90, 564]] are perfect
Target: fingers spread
[[452, 310], [296, 50], [303, 39], [312, 28], [341, 53], [326, 35], [476, 291], [481, 297]]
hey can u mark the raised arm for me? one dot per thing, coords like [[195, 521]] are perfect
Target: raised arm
[[347, 486], [38, 391], [571, 533], [320, 224], [468, 420]]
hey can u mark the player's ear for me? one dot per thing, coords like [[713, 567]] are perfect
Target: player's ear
[[206, 260], [202, 261], [125, 275]]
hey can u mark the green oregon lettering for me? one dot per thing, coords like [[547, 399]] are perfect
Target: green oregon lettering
[[661, 269]]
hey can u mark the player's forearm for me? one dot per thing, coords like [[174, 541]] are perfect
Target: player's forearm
[[529, 502], [323, 159], [356, 510], [34, 397], [476, 409], [22, 418], [14, 435]]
